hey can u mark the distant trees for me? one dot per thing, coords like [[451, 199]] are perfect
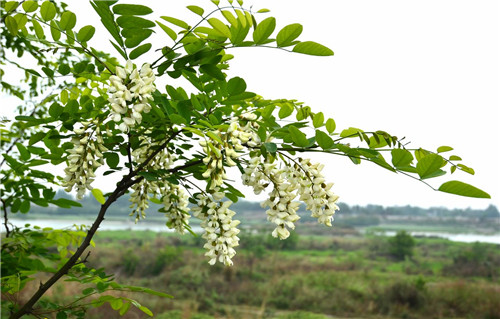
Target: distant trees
[[401, 245]]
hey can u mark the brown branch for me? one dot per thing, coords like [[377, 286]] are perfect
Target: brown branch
[[6, 220], [121, 189]]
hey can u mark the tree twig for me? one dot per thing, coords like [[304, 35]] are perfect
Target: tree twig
[[6, 220]]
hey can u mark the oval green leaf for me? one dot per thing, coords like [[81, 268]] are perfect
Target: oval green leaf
[[289, 33], [197, 10], [38, 29], [131, 9], [47, 11], [11, 24], [318, 119], [298, 137], [463, 189], [220, 27], [68, 20], [140, 50], [236, 86], [86, 33], [312, 48], [30, 6], [330, 125], [429, 165], [171, 33], [54, 31], [264, 30], [176, 22], [98, 195], [324, 141], [131, 22]]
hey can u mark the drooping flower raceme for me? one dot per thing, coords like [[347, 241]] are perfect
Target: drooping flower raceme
[[85, 157], [220, 230], [301, 178], [131, 91], [223, 148]]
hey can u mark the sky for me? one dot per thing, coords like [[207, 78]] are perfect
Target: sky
[[425, 70]]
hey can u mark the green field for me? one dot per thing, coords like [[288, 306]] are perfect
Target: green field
[[305, 277]]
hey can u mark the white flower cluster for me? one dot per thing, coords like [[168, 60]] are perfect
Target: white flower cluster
[[232, 142], [317, 194], [131, 91], [175, 203], [174, 198], [139, 198], [302, 179], [85, 157], [220, 230]]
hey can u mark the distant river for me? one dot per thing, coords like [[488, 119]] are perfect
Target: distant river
[[160, 227]]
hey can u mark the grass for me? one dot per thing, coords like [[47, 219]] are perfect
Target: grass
[[315, 278]]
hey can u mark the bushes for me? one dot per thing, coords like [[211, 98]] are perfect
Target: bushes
[[401, 245]]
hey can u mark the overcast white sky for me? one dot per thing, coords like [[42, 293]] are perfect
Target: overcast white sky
[[427, 70]]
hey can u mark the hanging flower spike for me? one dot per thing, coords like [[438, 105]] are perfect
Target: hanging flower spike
[[131, 92]]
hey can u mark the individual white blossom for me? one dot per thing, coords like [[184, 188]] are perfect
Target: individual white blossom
[[85, 157], [131, 92], [220, 230]]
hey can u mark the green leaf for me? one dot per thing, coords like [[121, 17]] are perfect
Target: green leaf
[[86, 33], [47, 11], [298, 137], [236, 86], [220, 27], [351, 132], [139, 36], [176, 22], [116, 303], [324, 141], [131, 9], [264, 10], [11, 25], [25, 207], [401, 157], [285, 111], [68, 20], [140, 50], [197, 10], [289, 33], [132, 22], [177, 119], [463, 189], [55, 110], [455, 158], [171, 33], [318, 119], [146, 310], [429, 165], [125, 308], [264, 30], [62, 315], [65, 203], [38, 29], [312, 48], [30, 6], [230, 18], [54, 31], [213, 71], [271, 147], [98, 195], [330, 126], [112, 159], [443, 149]]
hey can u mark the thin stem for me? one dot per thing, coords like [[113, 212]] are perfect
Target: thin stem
[[82, 47], [6, 220], [129, 154]]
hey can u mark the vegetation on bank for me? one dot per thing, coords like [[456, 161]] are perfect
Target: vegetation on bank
[[373, 217], [304, 277]]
